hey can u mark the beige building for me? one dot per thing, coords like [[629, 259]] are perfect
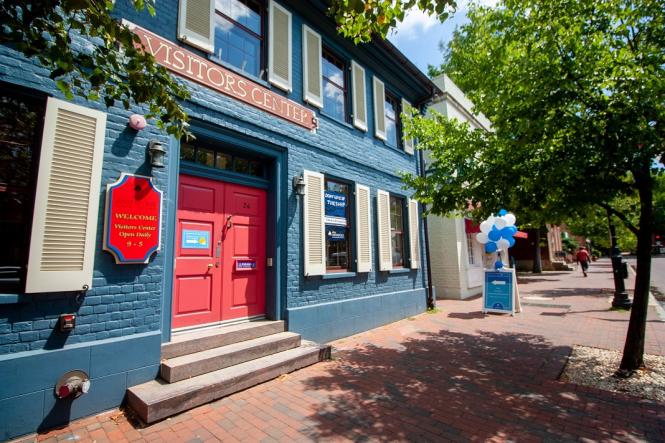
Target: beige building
[[456, 257]]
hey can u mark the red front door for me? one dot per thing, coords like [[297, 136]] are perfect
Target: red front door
[[220, 252]]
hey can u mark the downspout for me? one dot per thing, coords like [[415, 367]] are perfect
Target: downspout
[[431, 302]]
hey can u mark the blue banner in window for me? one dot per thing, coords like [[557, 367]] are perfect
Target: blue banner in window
[[335, 233], [335, 208]]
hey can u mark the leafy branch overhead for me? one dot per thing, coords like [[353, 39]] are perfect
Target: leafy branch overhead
[[93, 55], [360, 20]]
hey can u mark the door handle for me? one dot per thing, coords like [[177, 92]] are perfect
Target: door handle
[[229, 223], [210, 265]]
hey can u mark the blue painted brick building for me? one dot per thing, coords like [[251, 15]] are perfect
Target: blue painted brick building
[[291, 189]]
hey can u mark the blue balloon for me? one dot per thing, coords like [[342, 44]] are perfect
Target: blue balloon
[[494, 234], [490, 247], [498, 264], [511, 241], [503, 212], [508, 232]]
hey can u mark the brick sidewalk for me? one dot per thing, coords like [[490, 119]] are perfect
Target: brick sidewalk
[[451, 376]]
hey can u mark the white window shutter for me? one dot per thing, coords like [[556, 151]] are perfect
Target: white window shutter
[[359, 102], [379, 109], [311, 72], [279, 43], [64, 226], [363, 228], [196, 24], [408, 142], [313, 227], [414, 237], [383, 229]]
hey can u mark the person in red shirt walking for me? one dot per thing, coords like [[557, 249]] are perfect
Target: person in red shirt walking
[[583, 259]]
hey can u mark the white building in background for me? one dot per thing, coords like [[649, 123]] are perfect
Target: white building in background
[[456, 256]]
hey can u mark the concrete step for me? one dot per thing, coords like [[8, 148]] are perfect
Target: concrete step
[[198, 341], [156, 399], [188, 366]]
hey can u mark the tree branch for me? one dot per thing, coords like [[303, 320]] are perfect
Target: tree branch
[[621, 216]]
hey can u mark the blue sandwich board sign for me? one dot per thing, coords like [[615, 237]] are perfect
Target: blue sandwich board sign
[[499, 291]]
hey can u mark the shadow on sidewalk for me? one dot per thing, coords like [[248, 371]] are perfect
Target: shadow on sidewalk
[[450, 385]]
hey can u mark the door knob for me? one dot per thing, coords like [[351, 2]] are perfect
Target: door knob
[[210, 265]]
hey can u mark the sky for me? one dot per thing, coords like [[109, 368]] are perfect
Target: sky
[[419, 35]]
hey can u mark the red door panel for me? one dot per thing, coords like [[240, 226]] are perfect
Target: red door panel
[[220, 261], [244, 252]]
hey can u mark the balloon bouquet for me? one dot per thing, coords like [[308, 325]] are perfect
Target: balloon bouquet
[[497, 233]]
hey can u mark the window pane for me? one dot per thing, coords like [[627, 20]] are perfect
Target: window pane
[[338, 225], [19, 132], [205, 156], [237, 46], [241, 165], [187, 152], [397, 230], [391, 122], [334, 86], [223, 161], [256, 168]]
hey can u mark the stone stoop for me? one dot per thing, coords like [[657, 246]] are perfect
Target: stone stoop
[[561, 266], [203, 366]]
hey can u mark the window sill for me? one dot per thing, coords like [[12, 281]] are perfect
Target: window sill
[[400, 271], [10, 299], [333, 275], [237, 71], [335, 120]]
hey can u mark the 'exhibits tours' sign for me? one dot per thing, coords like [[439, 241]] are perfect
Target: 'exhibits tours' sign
[[207, 73], [132, 223]]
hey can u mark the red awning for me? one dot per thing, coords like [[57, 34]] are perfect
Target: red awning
[[521, 234], [470, 227]]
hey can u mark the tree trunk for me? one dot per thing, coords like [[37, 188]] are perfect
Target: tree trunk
[[537, 260], [633, 351]]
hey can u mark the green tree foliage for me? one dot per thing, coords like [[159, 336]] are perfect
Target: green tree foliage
[[363, 19], [575, 92], [91, 54]]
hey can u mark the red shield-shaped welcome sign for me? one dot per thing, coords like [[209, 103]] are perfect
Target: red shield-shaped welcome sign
[[132, 223]]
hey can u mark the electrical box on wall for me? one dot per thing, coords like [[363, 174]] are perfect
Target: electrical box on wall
[[67, 322]]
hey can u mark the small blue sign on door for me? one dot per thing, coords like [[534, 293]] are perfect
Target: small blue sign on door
[[498, 292], [195, 239], [245, 265]]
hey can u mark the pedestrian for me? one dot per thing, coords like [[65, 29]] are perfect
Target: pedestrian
[[583, 259]]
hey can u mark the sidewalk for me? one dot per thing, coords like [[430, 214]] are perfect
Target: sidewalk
[[451, 376]]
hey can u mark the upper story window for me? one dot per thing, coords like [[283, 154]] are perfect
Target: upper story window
[[392, 112], [334, 85], [239, 36], [397, 231]]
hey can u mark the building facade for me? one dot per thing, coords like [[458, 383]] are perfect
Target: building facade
[[286, 206], [456, 257]]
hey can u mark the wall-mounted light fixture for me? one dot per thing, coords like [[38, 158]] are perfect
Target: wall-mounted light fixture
[[157, 153], [299, 185]]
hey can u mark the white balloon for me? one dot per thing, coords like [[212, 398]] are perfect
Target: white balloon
[[482, 238], [485, 227], [503, 244], [510, 219], [500, 223]]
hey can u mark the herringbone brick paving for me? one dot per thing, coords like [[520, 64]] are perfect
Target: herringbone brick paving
[[451, 376]]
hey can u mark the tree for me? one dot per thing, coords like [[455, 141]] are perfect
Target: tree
[[91, 54], [362, 20], [575, 92]]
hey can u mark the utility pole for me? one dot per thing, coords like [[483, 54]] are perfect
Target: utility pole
[[620, 299]]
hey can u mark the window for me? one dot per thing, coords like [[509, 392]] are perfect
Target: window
[[20, 130], [470, 249], [397, 231], [334, 85], [392, 112], [337, 225], [213, 158], [239, 37]]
